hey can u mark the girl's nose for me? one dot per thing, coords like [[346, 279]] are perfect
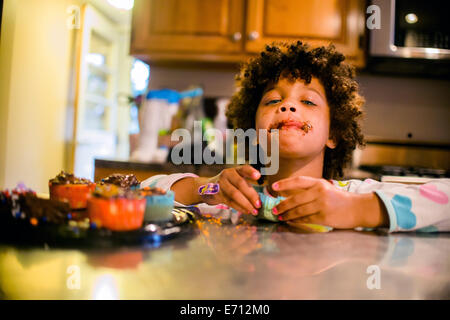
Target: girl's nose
[[286, 108]]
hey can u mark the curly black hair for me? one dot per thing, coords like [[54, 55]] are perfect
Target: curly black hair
[[299, 61]]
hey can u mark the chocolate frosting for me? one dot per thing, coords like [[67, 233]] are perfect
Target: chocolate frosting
[[125, 181], [68, 178], [54, 211], [29, 204]]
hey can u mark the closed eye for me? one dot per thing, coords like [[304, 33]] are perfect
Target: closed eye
[[309, 103], [274, 101]]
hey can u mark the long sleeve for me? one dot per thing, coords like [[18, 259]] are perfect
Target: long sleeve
[[165, 182], [421, 208]]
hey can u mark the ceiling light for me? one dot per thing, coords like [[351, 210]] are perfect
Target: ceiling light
[[411, 18]]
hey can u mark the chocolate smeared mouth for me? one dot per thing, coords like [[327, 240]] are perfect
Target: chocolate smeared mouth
[[305, 126]]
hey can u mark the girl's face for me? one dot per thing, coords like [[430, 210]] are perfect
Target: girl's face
[[301, 114]]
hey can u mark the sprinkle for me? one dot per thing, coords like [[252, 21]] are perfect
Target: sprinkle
[[73, 224]]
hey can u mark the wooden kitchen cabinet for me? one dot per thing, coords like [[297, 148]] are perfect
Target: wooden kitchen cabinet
[[318, 22], [232, 30], [187, 28]]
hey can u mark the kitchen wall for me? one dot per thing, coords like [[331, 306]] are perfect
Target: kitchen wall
[[395, 106], [36, 57]]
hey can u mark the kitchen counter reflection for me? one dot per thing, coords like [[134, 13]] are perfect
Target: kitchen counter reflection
[[250, 260]]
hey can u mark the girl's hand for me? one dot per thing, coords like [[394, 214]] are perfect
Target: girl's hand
[[318, 201], [235, 189]]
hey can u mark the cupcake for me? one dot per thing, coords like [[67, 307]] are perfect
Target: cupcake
[[267, 204], [115, 208], [265, 213], [66, 187], [23, 203], [126, 181], [159, 204]]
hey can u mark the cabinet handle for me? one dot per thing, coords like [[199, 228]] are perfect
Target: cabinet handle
[[237, 36], [253, 35]]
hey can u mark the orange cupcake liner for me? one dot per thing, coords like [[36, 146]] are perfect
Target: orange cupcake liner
[[75, 194], [117, 214]]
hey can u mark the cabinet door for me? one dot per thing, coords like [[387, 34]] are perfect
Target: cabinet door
[[317, 22], [194, 26]]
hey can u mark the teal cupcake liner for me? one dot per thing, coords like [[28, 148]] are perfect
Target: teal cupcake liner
[[158, 208], [267, 204], [265, 213]]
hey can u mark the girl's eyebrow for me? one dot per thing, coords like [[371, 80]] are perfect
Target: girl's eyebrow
[[269, 88]]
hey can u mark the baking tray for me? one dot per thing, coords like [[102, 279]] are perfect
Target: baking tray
[[21, 232]]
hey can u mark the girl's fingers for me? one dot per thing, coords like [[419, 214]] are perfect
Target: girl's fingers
[[301, 198], [243, 186], [236, 196], [249, 172], [313, 218], [231, 203], [305, 210], [300, 182]]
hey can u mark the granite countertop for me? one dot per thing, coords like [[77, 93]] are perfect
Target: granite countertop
[[249, 260]]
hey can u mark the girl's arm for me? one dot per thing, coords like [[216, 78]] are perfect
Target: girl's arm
[[423, 208], [368, 203], [186, 190], [235, 189]]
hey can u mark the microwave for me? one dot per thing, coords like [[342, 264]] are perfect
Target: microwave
[[411, 29], [412, 37]]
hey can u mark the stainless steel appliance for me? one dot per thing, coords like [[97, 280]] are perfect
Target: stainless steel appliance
[[412, 38], [411, 29]]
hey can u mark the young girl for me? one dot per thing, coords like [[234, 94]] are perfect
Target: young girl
[[311, 97]]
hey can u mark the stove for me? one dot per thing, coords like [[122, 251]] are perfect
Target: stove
[[414, 175]]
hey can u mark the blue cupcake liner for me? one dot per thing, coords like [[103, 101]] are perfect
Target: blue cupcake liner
[[267, 204], [158, 208], [265, 213]]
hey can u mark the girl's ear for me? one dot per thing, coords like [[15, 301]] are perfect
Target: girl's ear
[[331, 143]]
